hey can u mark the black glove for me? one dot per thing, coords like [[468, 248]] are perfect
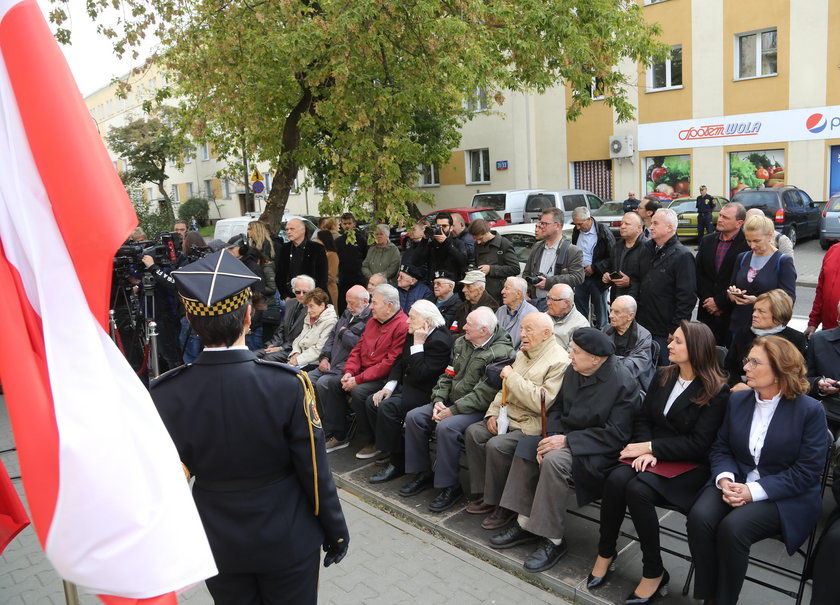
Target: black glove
[[336, 550]]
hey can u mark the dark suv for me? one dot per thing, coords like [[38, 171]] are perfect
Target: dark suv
[[792, 211]]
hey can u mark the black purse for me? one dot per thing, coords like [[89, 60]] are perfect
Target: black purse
[[494, 368]]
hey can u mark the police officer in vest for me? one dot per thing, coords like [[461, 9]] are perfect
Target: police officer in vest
[[248, 431]]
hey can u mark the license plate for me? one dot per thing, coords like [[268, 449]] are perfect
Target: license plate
[[683, 221]]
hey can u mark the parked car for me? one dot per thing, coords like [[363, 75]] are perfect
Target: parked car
[[567, 199], [792, 211], [610, 215], [830, 222], [470, 214], [509, 204], [522, 237], [686, 209]]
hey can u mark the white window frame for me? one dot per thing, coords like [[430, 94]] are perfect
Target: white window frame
[[208, 189], [205, 151], [190, 190], [483, 156], [151, 191], [188, 156], [668, 73], [428, 170], [226, 188], [593, 90], [649, 2], [173, 193], [758, 53], [477, 101]]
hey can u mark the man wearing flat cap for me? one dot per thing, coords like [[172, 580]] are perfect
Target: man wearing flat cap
[[475, 296], [248, 431], [411, 286], [587, 426]]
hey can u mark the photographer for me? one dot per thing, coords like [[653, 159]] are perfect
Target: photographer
[[446, 253], [553, 259]]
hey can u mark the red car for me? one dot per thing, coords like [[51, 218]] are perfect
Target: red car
[[470, 214]]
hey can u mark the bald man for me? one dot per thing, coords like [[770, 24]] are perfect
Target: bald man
[[299, 255]]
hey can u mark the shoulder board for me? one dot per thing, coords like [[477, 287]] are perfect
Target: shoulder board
[[277, 364], [169, 374]]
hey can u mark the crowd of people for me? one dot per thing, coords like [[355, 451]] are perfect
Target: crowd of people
[[584, 371]]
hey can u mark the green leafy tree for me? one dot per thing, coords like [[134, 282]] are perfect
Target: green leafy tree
[[364, 92], [198, 207], [148, 144]]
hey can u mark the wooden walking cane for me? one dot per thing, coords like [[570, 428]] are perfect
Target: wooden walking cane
[[542, 412]]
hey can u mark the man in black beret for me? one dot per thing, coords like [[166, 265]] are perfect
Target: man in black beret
[[411, 286], [263, 486], [589, 423]]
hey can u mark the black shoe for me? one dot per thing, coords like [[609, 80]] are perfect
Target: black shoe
[[634, 599], [511, 537], [446, 499], [421, 481], [388, 473], [593, 582], [546, 555]]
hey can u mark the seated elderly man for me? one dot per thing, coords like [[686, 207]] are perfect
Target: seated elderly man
[[514, 307], [824, 369], [368, 365], [410, 286], [344, 336], [446, 300], [632, 341], [475, 296], [279, 346], [424, 358], [588, 425], [565, 316], [377, 279], [460, 397], [538, 367]]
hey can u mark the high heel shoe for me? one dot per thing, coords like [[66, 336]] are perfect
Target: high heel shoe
[[593, 582], [661, 590]]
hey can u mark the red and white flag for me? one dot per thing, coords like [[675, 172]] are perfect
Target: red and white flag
[[102, 478]]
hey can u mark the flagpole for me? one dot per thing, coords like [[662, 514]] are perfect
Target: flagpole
[[71, 593]]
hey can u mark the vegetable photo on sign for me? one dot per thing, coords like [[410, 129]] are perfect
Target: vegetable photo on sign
[[756, 169], [668, 177]]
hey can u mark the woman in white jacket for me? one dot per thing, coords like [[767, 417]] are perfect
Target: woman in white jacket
[[317, 326]]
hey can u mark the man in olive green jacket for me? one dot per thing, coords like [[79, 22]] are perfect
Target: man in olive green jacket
[[459, 399]]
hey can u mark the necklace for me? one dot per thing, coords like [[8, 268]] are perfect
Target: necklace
[[683, 383]]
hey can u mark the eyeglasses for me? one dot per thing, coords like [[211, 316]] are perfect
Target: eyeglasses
[[552, 299], [751, 362], [543, 224], [296, 292]]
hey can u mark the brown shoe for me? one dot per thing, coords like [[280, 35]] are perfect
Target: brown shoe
[[498, 518], [478, 507]]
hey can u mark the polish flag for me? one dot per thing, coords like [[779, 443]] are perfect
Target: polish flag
[[104, 484]]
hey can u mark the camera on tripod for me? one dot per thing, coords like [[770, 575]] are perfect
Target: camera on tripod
[[162, 250]]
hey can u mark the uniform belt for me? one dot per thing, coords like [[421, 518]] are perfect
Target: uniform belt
[[239, 485]]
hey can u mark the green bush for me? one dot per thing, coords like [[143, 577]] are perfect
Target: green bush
[[197, 207]]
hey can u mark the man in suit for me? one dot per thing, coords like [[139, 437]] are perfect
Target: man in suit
[[553, 259], [715, 259], [824, 369], [589, 423], [279, 346], [263, 487], [299, 255], [350, 257]]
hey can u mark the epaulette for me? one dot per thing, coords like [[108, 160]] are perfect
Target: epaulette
[[169, 374], [277, 364]]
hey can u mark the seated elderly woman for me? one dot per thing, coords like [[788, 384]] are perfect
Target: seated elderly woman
[[767, 464], [319, 321], [678, 422], [771, 313]]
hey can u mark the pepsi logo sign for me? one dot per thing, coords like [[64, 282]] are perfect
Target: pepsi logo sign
[[816, 122]]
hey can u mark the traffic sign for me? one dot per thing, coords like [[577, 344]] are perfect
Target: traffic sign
[[257, 187], [256, 176]]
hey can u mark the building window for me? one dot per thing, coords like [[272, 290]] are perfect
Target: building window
[[208, 189], [654, 1], [188, 156], [478, 166], [429, 175], [189, 190], [596, 91], [151, 194], [226, 189], [666, 75], [755, 54], [477, 101], [173, 193], [205, 151]]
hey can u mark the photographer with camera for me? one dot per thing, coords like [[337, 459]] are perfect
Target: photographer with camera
[[446, 253], [553, 259]]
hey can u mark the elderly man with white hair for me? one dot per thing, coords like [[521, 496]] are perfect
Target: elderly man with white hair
[[668, 291], [564, 314], [460, 397], [279, 346], [475, 296], [632, 341], [537, 370], [365, 372], [514, 307], [383, 257], [596, 242], [299, 255]]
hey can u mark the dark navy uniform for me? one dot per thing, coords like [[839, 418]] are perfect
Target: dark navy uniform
[[248, 431]]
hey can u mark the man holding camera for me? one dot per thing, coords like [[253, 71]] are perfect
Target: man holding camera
[[553, 259], [446, 253]]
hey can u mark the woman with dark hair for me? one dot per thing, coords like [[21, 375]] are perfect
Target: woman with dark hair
[[326, 239], [767, 464], [191, 246], [678, 422]]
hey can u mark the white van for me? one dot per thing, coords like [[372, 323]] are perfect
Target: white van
[[509, 204], [226, 228], [567, 200]]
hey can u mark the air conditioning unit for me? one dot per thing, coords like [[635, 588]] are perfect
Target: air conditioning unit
[[621, 147]]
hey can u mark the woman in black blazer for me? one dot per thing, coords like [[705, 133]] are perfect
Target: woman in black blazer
[[677, 423], [767, 463]]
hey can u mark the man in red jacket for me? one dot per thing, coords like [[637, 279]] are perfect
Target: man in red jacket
[[365, 372], [827, 296]]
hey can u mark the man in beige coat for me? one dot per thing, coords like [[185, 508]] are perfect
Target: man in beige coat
[[539, 365]]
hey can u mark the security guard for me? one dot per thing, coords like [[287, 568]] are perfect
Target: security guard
[[249, 433]]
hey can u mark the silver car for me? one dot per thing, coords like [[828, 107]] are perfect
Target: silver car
[[830, 222]]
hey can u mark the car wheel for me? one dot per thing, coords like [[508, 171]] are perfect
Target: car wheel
[[825, 244], [792, 235]]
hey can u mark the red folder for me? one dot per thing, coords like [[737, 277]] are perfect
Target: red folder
[[665, 468]]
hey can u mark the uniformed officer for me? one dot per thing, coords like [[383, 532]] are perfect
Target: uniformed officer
[[249, 433]]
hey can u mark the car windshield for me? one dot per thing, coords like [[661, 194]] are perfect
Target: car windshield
[[609, 209], [757, 199], [681, 207], [539, 201], [522, 244], [834, 204], [487, 215], [491, 200]]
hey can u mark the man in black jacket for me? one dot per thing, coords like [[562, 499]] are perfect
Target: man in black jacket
[[350, 258], [279, 345], [715, 259], [669, 288], [446, 252], [596, 242], [626, 258], [299, 255], [494, 256]]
